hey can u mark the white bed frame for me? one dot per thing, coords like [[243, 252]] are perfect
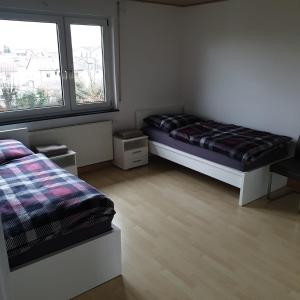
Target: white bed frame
[[64, 274], [252, 184]]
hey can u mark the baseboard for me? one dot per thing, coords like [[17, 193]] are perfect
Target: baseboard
[[94, 167]]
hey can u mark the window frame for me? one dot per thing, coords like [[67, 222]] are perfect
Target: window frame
[[107, 62], [66, 63]]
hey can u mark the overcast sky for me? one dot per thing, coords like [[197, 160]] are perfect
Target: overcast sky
[[43, 36]]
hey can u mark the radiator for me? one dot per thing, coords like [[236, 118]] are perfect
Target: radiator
[[92, 142]]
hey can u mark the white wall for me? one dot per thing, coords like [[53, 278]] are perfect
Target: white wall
[[241, 63], [233, 61], [149, 56]]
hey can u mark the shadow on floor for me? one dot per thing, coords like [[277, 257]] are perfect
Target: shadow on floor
[[116, 288], [284, 206]]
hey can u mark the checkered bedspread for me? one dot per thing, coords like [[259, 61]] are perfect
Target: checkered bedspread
[[12, 149], [169, 122], [39, 201], [240, 143]]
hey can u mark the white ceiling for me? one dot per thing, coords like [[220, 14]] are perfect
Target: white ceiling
[[180, 2]]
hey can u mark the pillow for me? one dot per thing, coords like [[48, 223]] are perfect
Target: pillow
[[12, 149], [169, 122]]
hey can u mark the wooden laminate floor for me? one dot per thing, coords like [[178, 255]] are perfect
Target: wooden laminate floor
[[184, 237]]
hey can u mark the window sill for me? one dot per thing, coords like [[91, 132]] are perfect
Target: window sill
[[52, 117]]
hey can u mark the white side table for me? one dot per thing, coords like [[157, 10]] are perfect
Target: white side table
[[130, 153], [66, 161]]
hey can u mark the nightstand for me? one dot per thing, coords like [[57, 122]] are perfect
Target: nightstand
[[130, 153], [66, 161]]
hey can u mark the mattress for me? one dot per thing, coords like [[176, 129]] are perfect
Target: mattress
[[44, 208], [162, 137]]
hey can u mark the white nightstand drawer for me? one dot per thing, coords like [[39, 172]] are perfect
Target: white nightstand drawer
[[136, 154], [136, 162], [135, 144], [66, 161]]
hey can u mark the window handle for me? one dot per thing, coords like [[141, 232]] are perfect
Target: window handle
[[68, 74]]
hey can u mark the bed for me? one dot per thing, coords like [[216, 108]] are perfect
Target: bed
[[251, 179], [60, 241]]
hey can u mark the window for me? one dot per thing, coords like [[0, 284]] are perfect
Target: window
[[53, 66], [29, 54], [88, 63]]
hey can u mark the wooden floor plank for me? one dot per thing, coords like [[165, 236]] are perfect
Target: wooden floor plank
[[185, 237]]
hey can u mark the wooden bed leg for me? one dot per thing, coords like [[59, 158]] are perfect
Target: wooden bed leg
[[255, 183]]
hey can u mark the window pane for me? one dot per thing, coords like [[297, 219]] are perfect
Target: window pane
[[29, 66], [88, 63]]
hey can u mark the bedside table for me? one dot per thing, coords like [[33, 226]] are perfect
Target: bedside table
[[66, 161], [130, 153]]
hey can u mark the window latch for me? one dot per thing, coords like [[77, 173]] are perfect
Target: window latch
[[68, 74]]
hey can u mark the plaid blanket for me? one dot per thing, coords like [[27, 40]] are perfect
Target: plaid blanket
[[240, 143], [169, 122], [12, 149], [39, 201]]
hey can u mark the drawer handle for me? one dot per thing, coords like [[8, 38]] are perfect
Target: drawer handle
[[137, 161], [136, 152]]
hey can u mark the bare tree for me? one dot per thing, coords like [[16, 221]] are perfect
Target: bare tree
[[9, 94]]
